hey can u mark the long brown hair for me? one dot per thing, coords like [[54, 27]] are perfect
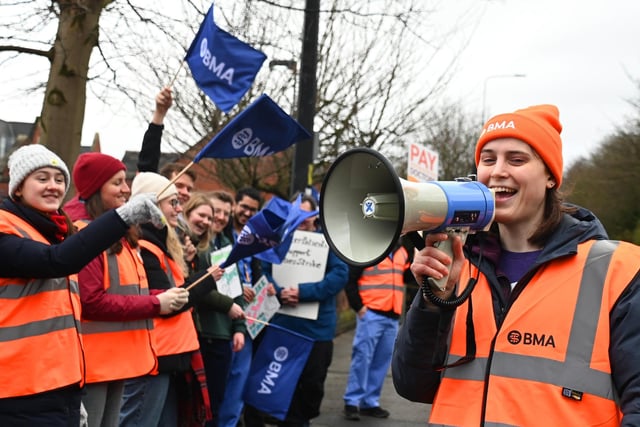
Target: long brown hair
[[554, 210]]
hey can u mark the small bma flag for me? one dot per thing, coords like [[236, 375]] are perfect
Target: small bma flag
[[261, 129], [275, 370], [295, 216], [263, 231], [222, 66]]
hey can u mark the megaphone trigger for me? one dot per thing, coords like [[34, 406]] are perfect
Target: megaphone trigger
[[447, 247]]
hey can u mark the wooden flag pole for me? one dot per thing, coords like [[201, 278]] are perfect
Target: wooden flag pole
[[176, 74], [256, 320], [174, 179], [204, 276]]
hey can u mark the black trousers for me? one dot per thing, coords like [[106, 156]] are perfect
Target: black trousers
[[55, 408], [309, 392]]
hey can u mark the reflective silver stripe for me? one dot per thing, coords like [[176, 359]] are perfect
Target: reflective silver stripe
[[574, 372], [96, 327], [365, 288], [39, 327], [33, 287], [167, 270], [376, 271], [23, 233], [115, 287], [585, 320], [475, 370], [570, 373], [499, 425]]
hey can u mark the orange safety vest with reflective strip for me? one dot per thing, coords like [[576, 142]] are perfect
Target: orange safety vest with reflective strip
[[549, 361], [40, 343], [175, 334], [119, 349], [381, 286]]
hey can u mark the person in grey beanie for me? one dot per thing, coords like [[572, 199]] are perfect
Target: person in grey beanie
[[39, 338]]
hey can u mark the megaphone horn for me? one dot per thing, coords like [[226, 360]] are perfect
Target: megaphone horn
[[365, 207]]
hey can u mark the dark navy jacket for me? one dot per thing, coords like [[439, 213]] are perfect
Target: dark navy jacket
[[422, 345]]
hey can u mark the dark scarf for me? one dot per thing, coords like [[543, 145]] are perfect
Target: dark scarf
[[52, 226]]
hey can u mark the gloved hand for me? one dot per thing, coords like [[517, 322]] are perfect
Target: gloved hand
[[140, 209]]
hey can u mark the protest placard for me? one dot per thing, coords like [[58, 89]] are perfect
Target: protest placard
[[305, 263], [262, 308], [229, 284]]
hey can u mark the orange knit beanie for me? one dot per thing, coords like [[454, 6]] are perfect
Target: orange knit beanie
[[538, 125]]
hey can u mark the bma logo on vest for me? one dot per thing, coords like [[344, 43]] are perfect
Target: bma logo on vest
[[267, 384], [528, 338]]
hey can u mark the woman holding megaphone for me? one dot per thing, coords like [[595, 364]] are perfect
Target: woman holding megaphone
[[550, 330]]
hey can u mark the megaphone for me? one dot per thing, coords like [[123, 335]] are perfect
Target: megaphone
[[365, 207]]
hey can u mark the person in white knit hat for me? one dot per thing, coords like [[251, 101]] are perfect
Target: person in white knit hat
[[39, 338], [152, 399]]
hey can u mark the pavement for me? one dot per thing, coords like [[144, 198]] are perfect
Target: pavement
[[403, 412]]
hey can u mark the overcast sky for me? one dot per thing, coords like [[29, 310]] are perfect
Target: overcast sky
[[577, 54]]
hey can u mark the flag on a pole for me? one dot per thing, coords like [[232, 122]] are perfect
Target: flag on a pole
[[275, 370], [261, 129], [263, 231], [222, 66], [295, 216]]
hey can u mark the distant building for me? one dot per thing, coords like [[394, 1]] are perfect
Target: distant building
[[13, 135]]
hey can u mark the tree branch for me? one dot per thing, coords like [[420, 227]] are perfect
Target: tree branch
[[22, 49]]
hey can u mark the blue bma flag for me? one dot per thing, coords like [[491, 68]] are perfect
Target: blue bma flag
[[261, 129], [295, 216], [275, 370], [263, 231], [222, 66]]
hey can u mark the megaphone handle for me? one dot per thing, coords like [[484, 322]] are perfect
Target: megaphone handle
[[446, 246]]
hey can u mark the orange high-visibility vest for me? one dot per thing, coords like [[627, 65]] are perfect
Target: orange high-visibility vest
[[40, 343], [175, 334], [117, 350], [549, 362], [381, 286]]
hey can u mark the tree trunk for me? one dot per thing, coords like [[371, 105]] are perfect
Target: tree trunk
[[64, 101]]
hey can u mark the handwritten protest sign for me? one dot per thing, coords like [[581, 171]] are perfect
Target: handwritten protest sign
[[229, 283], [262, 308], [305, 263]]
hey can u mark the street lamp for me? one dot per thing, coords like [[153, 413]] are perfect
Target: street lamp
[[292, 65], [484, 89]]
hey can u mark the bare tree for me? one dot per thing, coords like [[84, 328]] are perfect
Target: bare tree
[[378, 79]]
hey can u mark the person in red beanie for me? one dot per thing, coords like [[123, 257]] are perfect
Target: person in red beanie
[[551, 330], [117, 305]]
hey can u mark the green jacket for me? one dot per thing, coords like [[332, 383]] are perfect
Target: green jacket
[[210, 316]]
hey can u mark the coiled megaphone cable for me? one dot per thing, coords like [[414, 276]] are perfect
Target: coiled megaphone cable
[[428, 283]]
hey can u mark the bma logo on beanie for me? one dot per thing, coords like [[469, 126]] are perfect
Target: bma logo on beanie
[[538, 125]]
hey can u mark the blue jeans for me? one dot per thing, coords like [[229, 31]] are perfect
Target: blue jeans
[[149, 401], [233, 401], [370, 359]]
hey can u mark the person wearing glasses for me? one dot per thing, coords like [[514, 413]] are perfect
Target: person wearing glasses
[[153, 399], [117, 307], [41, 351]]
